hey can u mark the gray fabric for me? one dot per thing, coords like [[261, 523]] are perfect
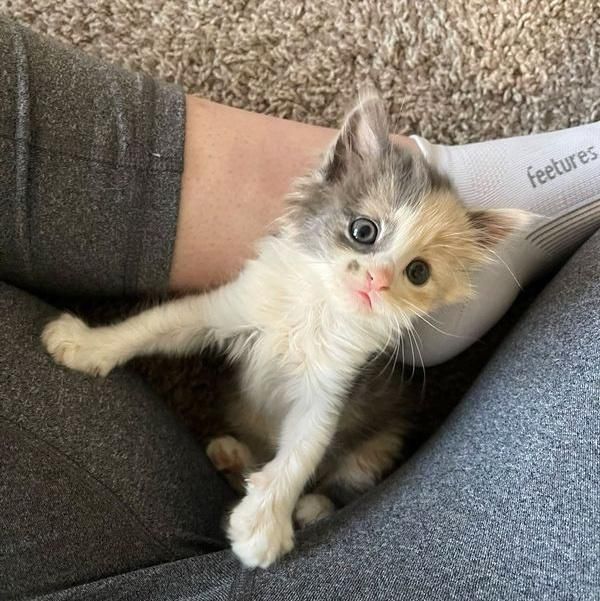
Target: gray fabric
[[97, 477], [90, 170]]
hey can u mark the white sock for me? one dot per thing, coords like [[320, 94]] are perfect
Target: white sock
[[555, 175]]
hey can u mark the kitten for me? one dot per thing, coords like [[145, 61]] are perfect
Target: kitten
[[372, 240]]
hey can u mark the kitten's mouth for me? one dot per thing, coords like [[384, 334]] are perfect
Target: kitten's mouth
[[365, 299]]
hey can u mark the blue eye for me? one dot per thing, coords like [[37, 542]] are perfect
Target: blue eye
[[364, 231]]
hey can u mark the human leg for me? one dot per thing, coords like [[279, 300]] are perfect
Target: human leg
[[91, 161], [96, 477]]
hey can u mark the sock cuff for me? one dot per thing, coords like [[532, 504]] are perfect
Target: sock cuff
[[436, 155], [427, 149], [455, 162], [451, 161]]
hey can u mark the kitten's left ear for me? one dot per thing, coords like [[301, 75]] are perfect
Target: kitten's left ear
[[494, 225], [363, 137]]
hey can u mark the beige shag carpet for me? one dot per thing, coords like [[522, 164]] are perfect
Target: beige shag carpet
[[455, 71], [452, 70]]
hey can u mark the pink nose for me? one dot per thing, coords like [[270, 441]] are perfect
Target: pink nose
[[380, 278]]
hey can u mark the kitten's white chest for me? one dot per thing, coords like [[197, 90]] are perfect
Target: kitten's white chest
[[276, 356], [284, 352]]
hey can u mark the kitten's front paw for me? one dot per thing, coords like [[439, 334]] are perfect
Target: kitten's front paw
[[312, 508], [258, 532], [69, 340]]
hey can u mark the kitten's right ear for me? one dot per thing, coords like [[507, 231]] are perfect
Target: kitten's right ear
[[363, 137]]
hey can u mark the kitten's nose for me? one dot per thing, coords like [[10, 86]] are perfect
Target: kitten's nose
[[380, 278]]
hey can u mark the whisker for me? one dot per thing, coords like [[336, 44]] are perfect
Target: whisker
[[384, 348], [419, 314], [507, 267], [401, 341], [424, 383], [393, 354], [396, 350], [412, 352]]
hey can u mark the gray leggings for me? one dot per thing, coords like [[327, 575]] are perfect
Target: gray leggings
[[104, 495]]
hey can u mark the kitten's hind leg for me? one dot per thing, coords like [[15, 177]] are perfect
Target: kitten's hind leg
[[231, 457], [311, 508], [362, 468], [354, 473]]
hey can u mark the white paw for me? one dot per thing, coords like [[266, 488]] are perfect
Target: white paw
[[258, 532], [228, 454], [71, 343], [312, 508]]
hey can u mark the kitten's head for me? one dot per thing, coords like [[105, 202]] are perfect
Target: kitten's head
[[387, 234]]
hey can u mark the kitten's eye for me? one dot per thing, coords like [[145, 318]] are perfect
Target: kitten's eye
[[363, 230], [417, 271]]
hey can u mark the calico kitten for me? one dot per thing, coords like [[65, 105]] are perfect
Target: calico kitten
[[372, 240]]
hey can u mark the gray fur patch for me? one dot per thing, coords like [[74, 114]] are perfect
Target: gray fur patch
[[360, 178]]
